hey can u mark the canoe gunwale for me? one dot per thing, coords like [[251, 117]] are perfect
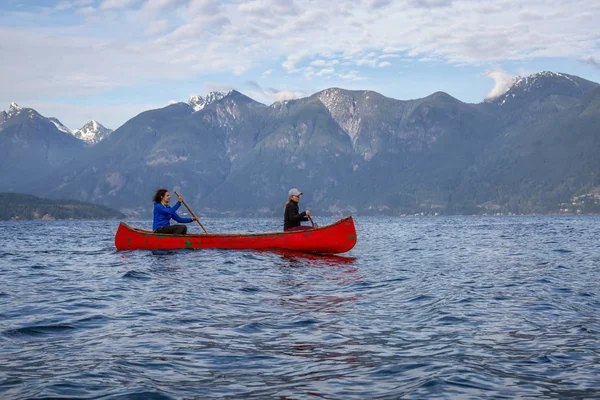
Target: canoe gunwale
[[229, 235]]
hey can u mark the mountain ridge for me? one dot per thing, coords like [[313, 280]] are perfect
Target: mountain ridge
[[349, 151]]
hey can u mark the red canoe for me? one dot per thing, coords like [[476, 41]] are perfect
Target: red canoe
[[336, 238]]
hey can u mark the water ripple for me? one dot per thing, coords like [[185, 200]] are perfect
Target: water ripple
[[39, 330], [461, 307]]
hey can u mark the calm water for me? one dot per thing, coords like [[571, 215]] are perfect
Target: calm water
[[444, 307]]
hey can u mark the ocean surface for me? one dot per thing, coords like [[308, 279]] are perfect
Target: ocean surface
[[422, 308]]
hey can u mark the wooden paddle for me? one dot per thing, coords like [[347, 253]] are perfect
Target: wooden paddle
[[191, 212]]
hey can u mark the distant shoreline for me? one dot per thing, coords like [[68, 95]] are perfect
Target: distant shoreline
[[25, 207]]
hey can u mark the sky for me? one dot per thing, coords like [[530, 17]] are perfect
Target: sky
[[109, 60]]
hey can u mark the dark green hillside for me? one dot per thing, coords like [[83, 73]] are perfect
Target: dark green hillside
[[24, 206]]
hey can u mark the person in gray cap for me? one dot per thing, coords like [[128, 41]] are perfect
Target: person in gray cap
[[291, 217]]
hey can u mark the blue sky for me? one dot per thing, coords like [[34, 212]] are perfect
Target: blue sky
[[109, 60]]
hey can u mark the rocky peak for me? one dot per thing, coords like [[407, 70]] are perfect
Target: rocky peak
[[537, 80], [13, 110], [344, 108], [543, 84], [199, 102], [92, 132]]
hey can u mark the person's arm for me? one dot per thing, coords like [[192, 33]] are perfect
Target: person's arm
[[168, 210], [293, 216], [162, 209], [175, 207], [181, 220]]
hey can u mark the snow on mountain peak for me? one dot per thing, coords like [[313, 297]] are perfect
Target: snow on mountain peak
[[14, 109], [521, 85], [535, 80], [92, 132], [199, 102]]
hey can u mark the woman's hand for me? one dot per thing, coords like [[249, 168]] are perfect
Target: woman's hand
[[180, 199], [307, 213], [194, 219]]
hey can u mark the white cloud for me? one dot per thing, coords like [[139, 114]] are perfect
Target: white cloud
[[240, 69], [117, 4], [282, 95], [324, 63], [270, 95], [129, 42], [351, 75], [66, 5], [203, 8], [372, 62], [530, 15], [325, 71], [157, 27], [384, 64], [308, 72], [591, 61], [72, 73], [152, 7], [379, 3], [431, 3], [216, 87], [502, 82], [86, 11], [271, 8], [293, 59], [385, 56]]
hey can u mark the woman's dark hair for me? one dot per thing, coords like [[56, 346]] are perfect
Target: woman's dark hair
[[159, 195]]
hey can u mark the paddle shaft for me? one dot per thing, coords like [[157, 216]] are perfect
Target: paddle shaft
[[191, 212]]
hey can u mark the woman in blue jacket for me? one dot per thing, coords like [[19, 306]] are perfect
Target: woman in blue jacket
[[163, 214]]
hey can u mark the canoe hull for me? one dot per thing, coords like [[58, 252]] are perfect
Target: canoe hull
[[336, 238]]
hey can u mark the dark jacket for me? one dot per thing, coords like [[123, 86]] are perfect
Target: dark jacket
[[291, 217], [163, 215]]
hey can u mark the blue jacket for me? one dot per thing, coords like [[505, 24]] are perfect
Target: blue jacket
[[163, 215]]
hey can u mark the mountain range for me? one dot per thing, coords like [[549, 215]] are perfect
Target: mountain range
[[531, 150], [91, 133]]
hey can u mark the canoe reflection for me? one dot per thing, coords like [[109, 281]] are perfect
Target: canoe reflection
[[306, 280], [304, 259]]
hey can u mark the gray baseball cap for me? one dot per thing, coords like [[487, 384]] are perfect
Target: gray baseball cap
[[294, 192]]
